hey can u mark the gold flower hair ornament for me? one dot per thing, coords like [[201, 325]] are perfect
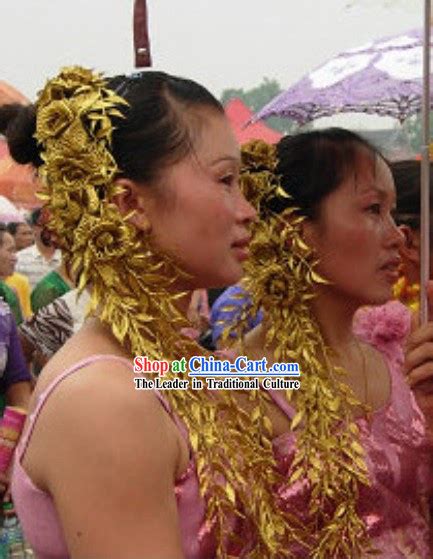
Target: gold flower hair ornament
[[129, 282], [281, 279]]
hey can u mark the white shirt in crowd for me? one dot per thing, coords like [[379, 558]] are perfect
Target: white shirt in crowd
[[32, 264]]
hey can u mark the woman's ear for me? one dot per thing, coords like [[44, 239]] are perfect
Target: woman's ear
[[133, 202], [309, 233], [410, 249]]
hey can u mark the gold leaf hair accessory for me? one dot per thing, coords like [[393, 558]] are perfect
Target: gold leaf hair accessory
[[281, 276], [130, 282]]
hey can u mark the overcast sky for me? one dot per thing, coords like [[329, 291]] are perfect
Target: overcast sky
[[221, 43]]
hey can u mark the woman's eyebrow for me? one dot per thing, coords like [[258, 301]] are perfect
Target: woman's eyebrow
[[224, 158], [375, 189]]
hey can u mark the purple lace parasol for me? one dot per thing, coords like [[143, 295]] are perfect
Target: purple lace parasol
[[383, 77]]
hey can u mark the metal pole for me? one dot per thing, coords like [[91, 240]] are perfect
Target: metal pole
[[425, 169]]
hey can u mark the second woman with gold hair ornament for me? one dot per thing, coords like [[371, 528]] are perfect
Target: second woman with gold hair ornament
[[353, 440]]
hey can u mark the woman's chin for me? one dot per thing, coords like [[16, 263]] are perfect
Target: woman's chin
[[381, 297]]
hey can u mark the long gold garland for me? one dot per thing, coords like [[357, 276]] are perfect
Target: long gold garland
[[132, 292], [280, 278]]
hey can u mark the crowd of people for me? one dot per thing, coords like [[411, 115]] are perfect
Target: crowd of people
[[160, 237]]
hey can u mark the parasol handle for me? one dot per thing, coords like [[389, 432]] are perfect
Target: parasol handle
[[425, 170]]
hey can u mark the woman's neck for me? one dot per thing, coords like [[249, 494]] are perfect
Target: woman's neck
[[334, 314]]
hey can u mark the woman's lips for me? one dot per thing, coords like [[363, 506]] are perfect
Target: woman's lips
[[391, 271], [241, 248], [241, 253]]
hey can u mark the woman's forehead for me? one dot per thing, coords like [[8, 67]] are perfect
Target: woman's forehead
[[216, 139], [369, 167]]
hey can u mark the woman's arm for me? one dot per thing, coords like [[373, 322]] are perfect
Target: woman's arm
[[17, 379], [108, 455], [419, 369], [18, 394]]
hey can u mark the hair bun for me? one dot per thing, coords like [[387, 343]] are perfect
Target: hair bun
[[18, 124]]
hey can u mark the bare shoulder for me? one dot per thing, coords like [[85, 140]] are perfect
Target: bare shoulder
[[91, 408], [108, 455]]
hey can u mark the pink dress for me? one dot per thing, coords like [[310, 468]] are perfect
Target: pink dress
[[398, 460]]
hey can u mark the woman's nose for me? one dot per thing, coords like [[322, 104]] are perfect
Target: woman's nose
[[246, 211], [395, 234]]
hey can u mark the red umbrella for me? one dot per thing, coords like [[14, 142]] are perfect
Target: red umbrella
[[240, 115]]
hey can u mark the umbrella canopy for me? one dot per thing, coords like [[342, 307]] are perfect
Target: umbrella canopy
[[383, 77], [240, 115]]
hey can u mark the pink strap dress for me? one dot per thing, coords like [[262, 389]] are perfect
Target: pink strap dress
[[394, 506]]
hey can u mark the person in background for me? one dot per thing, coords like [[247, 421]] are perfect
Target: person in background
[[41, 257], [51, 326], [22, 233], [407, 178], [227, 310], [213, 294], [7, 266], [15, 379], [418, 355], [55, 284], [198, 314], [18, 283]]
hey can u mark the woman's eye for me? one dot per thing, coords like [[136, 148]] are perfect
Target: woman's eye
[[374, 208], [228, 180]]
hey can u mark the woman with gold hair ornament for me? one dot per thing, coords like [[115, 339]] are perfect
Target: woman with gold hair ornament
[[140, 183], [351, 441]]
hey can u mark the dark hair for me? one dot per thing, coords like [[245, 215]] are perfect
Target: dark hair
[[35, 216], [18, 124], [313, 164], [3, 230], [407, 178], [157, 129], [12, 227]]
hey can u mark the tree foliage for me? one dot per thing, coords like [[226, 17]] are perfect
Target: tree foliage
[[257, 97], [413, 129]]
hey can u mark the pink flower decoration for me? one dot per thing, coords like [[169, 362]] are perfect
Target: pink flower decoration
[[383, 325]]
